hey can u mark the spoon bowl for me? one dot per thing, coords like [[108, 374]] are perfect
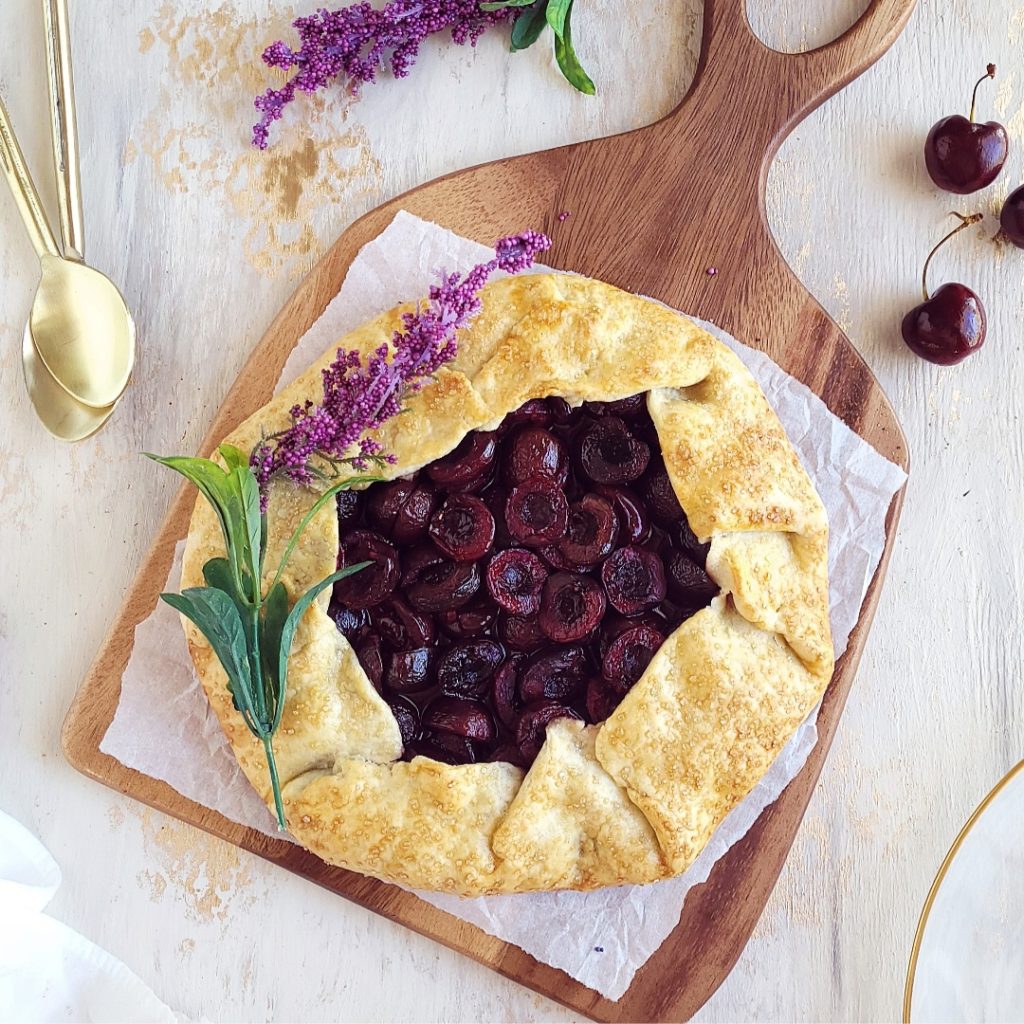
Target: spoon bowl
[[60, 414], [82, 332]]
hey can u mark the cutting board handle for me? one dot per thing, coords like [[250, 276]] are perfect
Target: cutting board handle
[[770, 91]]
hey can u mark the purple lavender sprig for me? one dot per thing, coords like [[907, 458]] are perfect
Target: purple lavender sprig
[[355, 41], [359, 399]]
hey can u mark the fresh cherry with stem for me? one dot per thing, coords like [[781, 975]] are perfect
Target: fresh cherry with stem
[[949, 325], [963, 156]]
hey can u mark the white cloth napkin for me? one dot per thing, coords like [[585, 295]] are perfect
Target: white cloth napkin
[[48, 972]]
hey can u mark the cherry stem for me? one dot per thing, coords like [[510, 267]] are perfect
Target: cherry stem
[[990, 72], [965, 222]]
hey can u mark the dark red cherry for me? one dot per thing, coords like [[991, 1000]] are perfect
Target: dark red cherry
[[414, 516], [503, 693], [571, 607], [1011, 220], [536, 412], [373, 584], [591, 531], [661, 498], [470, 621], [535, 452], [471, 461], [688, 584], [370, 652], [963, 156], [601, 700], [349, 510], [634, 579], [384, 502], [515, 578], [466, 718], [411, 671], [634, 519], [610, 453], [629, 655], [437, 747], [533, 724], [465, 668], [521, 632], [463, 527], [950, 324], [536, 512], [687, 540], [558, 675], [443, 586], [351, 622], [407, 716], [402, 627], [509, 753], [627, 408]]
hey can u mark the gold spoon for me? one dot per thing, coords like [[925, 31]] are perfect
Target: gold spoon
[[80, 326]]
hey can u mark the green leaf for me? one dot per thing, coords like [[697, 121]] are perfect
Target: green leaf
[[500, 5], [292, 624], [216, 616], [274, 613], [529, 26], [248, 491], [217, 487], [557, 15], [233, 457], [569, 62]]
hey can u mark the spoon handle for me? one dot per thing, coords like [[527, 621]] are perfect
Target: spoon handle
[[64, 126], [12, 162]]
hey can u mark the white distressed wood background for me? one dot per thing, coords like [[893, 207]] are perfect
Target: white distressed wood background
[[208, 237]]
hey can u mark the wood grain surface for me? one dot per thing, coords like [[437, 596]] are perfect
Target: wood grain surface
[[634, 200], [208, 240]]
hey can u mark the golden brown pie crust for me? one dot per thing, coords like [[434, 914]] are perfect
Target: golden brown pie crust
[[636, 798]]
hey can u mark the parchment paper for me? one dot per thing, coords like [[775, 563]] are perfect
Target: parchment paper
[[165, 728]]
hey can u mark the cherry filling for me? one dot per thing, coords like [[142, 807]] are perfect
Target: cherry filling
[[529, 575]]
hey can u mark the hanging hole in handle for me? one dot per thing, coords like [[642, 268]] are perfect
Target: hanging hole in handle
[[795, 27]]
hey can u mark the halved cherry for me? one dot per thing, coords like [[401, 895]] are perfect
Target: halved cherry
[[634, 519], [407, 716], [558, 675], [443, 586], [384, 501], [471, 461], [629, 655], [370, 652], [610, 453], [688, 583], [471, 620], [688, 541], [601, 700], [634, 579], [635, 405], [535, 452], [571, 607], [591, 532], [414, 516], [521, 632], [503, 693], [433, 745], [465, 669], [509, 753], [411, 671], [463, 528], [402, 627], [661, 497], [515, 578], [536, 512], [533, 724], [535, 412], [467, 718], [351, 622], [349, 510], [373, 584]]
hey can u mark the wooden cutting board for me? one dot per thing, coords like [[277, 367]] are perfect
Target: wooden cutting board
[[652, 211]]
